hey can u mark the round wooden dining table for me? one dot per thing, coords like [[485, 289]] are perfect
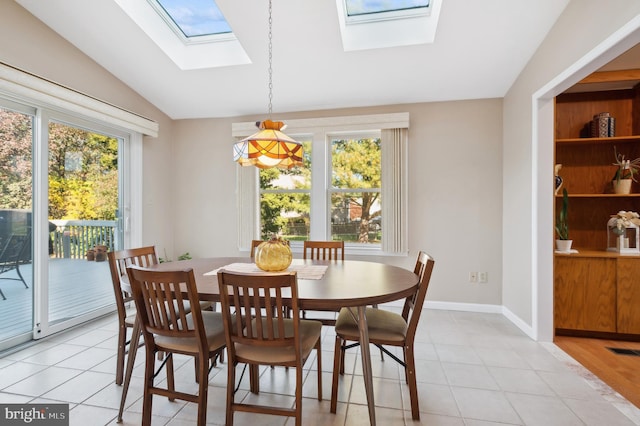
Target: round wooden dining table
[[350, 284]]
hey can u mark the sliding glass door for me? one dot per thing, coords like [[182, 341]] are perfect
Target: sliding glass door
[[16, 222], [61, 187], [83, 213]]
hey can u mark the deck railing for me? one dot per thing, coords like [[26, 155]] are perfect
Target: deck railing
[[72, 238]]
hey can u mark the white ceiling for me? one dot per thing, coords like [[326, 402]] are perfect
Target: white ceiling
[[480, 48]]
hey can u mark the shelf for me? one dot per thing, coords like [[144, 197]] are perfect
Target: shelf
[[600, 195], [598, 254], [611, 140]]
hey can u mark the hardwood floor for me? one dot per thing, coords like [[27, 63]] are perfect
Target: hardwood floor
[[620, 371]]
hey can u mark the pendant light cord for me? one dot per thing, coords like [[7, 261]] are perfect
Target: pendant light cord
[[270, 61]]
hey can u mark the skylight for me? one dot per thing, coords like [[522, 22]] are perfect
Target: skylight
[[194, 18], [196, 36], [371, 7], [375, 24]]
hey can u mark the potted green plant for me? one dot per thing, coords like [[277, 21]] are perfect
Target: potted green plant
[[626, 171], [563, 243]]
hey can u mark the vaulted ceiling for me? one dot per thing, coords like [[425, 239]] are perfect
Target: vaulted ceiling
[[480, 47]]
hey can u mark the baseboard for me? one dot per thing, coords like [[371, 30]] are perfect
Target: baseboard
[[483, 308], [466, 307]]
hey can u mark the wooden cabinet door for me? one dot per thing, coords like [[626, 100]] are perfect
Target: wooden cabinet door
[[585, 294], [628, 295]]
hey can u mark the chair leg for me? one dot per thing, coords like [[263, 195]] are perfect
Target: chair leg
[[298, 409], [135, 337], [337, 366], [319, 351], [342, 353], [147, 400], [231, 383], [122, 342], [254, 378], [170, 379], [21, 277], [203, 388], [410, 372]]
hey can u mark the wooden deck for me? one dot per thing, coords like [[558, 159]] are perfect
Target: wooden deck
[[75, 286]]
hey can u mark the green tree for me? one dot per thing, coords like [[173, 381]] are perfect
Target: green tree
[[83, 169], [273, 206], [15, 160], [83, 174], [356, 165]]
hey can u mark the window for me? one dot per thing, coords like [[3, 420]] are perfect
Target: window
[[351, 164], [285, 199], [355, 188]]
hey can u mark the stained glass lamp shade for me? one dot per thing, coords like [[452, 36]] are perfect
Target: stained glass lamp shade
[[268, 148]]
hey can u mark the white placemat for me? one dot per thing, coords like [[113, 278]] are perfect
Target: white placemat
[[305, 272]]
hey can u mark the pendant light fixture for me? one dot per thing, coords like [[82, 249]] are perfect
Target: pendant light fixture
[[269, 147]]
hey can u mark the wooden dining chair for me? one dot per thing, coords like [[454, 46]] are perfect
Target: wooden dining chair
[[264, 335], [118, 262], [254, 245], [386, 329], [323, 250], [168, 327]]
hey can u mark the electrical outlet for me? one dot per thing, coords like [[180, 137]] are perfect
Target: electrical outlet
[[483, 277], [473, 277]]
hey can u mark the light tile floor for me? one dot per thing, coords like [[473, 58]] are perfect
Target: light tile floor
[[473, 369]]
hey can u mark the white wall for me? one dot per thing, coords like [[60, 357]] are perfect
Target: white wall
[[577, 38], [455, 192]]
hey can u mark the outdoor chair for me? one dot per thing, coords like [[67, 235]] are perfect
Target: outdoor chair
[[263, 335], [15, 253], [386, 329]]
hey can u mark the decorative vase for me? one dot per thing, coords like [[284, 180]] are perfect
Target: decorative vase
[[273, 255], [622, 186], [558, 179], [564, 245]]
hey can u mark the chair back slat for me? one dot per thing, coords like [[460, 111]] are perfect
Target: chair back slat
[[323, 250], [258, 300]]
